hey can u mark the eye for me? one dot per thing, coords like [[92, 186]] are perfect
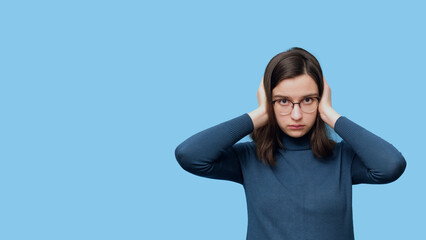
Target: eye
[[283, 101], [308, 100]]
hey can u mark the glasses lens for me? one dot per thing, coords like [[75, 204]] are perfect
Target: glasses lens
[[284, 110], [309, 106], [283, 106]]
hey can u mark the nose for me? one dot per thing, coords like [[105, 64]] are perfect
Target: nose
[[296, 114]]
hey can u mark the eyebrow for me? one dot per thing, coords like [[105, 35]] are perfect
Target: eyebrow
[[308, 95]]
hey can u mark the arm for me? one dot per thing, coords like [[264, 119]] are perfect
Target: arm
[[211, 153], [375, 160]]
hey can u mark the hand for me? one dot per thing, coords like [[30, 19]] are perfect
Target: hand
[[326, 111], [259, 116], [261, 95], [325, 102]]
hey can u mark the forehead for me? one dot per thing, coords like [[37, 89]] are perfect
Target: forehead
[[296, 87]]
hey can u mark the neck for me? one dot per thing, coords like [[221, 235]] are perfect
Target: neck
[[300, 143]]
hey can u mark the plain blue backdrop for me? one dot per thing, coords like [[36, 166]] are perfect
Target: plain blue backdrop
[[96, 95]]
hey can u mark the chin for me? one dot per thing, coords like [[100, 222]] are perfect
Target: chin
[[295, 134]]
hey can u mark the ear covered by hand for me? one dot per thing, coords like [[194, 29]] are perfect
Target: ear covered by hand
[[326, 111], [259, 116]]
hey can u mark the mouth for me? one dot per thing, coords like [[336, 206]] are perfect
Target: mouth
[[296, 126]]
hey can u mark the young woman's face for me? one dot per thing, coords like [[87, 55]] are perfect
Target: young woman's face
[[301, 88]]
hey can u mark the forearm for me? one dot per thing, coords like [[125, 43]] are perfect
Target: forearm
[[383, 161], [199, 152]]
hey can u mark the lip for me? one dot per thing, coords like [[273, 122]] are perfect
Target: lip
[[296, 126]]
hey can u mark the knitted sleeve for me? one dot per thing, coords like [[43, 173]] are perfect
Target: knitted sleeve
[[375, 161], [213, 153]]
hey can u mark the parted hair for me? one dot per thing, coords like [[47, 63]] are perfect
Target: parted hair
[[289, 64]]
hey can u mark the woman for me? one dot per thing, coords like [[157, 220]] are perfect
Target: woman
[[298, 182]]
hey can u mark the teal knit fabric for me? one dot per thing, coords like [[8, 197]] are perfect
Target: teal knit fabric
[[302, 197]]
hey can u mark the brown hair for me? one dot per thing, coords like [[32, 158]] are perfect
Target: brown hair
[[289, 64]]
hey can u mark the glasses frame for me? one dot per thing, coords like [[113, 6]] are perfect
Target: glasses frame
[[293, 103]]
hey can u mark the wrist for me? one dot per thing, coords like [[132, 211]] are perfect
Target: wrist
[[330, 116], [259, 116]]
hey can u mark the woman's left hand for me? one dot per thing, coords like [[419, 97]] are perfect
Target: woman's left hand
[[326, 111]]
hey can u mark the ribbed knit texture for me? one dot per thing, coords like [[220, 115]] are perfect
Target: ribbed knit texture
[[302, 197]]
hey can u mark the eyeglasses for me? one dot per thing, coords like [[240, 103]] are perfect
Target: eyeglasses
[[307, 105]]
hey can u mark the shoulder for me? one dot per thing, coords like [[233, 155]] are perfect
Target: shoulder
[[343, 149], [245, 150], [245, 147]]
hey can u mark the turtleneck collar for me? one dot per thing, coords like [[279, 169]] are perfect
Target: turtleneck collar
[[292, 143]]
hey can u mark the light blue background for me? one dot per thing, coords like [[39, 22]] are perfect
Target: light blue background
[[96, 95]]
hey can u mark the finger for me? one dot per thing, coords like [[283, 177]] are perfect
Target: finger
[[327, 90], [325, 83]]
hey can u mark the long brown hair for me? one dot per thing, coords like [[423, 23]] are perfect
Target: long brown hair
[[289, 64]]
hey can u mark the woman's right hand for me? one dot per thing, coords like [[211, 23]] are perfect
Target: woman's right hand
[[259, 116]]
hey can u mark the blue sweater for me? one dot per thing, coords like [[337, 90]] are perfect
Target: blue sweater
[[302, 197]]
